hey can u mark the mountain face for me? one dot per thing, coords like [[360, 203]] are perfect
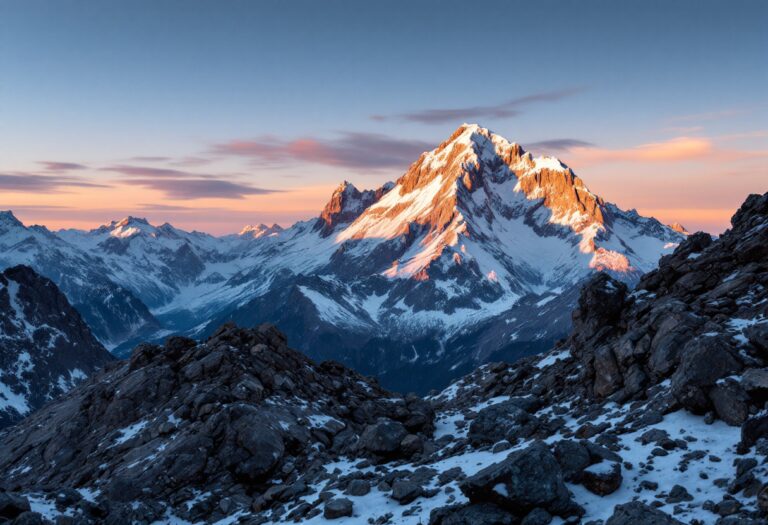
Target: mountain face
[[475, 254], [478, 241], [45, 347], [112, 311], [650, 412]]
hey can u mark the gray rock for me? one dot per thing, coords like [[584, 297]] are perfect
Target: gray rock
[[755, 379], [12, 505], [537, 517], [337, 508], [573, 458], [602, 478], [472, 514], [731, 402], [501, 421], [705, 359], [384, 437], [358, 487], [637, 513], [527, 479], [404, 492]]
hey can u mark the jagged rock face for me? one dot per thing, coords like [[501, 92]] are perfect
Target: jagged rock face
[[671, 379], [241, 412], [346, 205], [45, 347]]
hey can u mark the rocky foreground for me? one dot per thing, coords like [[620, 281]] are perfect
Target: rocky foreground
[[651, 412]]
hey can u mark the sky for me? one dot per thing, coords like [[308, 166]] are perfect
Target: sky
[[213, 115]]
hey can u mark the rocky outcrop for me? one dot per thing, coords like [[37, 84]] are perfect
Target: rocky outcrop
[[527, 479], [347, 203], [644, 375], [241, 413], [45, 346]]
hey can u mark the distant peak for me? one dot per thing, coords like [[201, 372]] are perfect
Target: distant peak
[[7, 217], [679, 228], [260, 230], [132, 220]]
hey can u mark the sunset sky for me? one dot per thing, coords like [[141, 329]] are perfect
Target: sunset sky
[[213, 115]]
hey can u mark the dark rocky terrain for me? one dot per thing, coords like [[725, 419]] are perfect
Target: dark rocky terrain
[[45, 346], [653, 411]]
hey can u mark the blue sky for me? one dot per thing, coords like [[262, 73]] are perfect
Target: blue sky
[[107, 84]]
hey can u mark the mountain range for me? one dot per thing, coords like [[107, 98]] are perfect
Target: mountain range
[[475, 254], [651, 412]]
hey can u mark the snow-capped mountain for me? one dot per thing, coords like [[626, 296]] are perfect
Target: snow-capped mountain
[[260, 230], [475, 253], [112, 311], [651, 412], [45, 346]]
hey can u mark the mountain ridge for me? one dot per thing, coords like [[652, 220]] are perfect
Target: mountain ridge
[[477, 236]]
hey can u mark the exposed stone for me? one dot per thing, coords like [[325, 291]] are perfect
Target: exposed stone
[[337, 508], [637, 513], [527, 479]]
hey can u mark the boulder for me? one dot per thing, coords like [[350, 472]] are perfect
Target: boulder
[[754, 428], [12, 505], [404, 492], [472, 514], [573, 458], [637, 513], [755, 379], [757, 334], [705, 359], [602, 478], [383, 437], [526, 479], [607, 374], [730, 402], [337, 508], [358, 487], [501, 421]]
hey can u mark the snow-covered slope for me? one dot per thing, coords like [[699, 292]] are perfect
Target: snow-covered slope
[[112, 311], [45, 347], [478, 240], [404, 275]]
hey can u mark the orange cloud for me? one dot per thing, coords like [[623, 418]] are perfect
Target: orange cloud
[[676, 149]]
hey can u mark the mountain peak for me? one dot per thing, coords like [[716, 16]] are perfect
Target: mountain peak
[[131, 220], [129, 227], [679, 228], [260, 230], [347, 203], [7, 218]]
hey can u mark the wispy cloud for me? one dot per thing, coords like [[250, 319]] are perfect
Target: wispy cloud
[[673, 150], [558, 145], [29, 182], [678, 149], [507, 109], [178, 184], [360, 151], [62, 166], [145, 171], [200, 188], [150, 159]]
